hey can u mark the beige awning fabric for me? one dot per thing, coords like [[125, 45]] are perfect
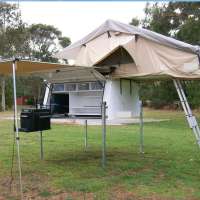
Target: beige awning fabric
[[26, 67], [71, 74], [52, 72]]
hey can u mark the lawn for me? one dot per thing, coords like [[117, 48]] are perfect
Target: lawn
[[169, 168]]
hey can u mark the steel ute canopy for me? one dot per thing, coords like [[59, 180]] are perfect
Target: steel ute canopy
[[153, 55]]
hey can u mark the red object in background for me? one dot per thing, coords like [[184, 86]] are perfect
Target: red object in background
[[23, 100]]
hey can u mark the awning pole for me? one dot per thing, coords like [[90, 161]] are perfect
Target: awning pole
[[103, 112], [3, 102], [16, 127], [141, 129], [86, 134], [41, 146]]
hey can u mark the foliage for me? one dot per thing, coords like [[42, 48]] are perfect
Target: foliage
[[160, 93], [13, 33], [135, 22], [64, 41], [42, 42], [36, 42], [180, 20]]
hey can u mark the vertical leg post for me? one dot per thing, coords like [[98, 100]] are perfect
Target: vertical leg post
[[141, 129], [103, 134], [86, 134], [41, 146], [3, 102], [16, 127]]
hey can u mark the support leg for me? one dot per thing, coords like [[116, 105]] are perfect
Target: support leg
[[103, 134], [16, 129], [141, 129], [41, 146], [3, 102], [86, 134]]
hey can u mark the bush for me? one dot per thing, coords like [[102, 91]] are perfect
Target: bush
[[163, 93]]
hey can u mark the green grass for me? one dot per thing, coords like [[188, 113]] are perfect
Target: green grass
[[169, 169]]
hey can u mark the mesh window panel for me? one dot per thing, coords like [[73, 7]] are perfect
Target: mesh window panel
[[96, 86], [83, 86], [58, 87], [70, 86]]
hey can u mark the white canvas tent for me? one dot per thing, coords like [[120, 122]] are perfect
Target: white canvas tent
[[151, 55]]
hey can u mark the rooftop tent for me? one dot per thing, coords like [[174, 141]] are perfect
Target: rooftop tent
[[126, 51], [153, 54]]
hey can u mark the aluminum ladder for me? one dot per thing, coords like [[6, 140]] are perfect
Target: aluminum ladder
[[188, 112]]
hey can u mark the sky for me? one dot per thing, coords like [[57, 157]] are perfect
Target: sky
[[77, 19]]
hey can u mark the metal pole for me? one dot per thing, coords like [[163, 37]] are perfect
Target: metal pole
[[103, 134], [3, 102], [41, 146], [16, 127], [141, 129], [86, 134]]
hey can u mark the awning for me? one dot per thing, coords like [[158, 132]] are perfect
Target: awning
[[26, 66], [52, 72]]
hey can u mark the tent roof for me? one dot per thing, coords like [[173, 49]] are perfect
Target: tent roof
[[111, 25]]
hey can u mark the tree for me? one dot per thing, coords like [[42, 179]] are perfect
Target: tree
[[135, 21], [36, 42], [64, 41], [180, 20], [44, 41], [176, 19], [13, 33]]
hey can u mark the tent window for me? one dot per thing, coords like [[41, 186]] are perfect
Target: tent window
[[119, 56], [58, 87], [70, 86], [83, 86], [96, 86]]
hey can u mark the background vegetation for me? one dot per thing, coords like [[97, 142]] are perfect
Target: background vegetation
[[34, 42]]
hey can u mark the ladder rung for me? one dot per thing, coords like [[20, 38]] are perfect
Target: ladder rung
[[188, 113]]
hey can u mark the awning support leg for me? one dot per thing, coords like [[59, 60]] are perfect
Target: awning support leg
[[103, 111], [141, 129], [3, 102], [86, 134], [188, 112], [41, 146], [16, 127]]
